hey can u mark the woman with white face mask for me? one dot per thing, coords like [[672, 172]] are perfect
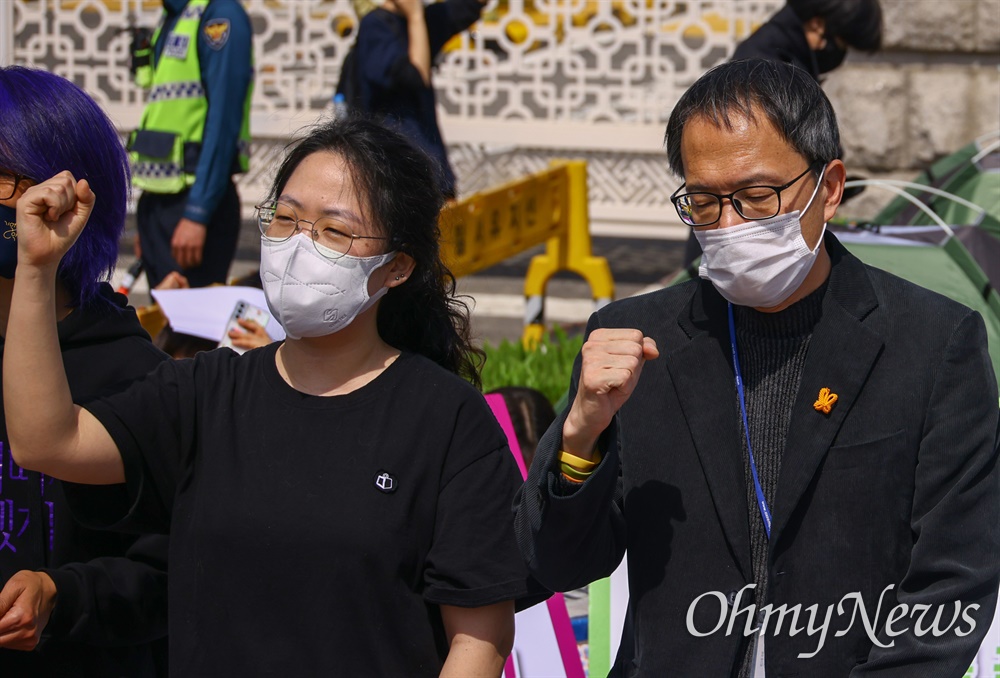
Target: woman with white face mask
[[339, 503]]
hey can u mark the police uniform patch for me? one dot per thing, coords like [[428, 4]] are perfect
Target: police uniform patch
[[176, 47], [217, 33]]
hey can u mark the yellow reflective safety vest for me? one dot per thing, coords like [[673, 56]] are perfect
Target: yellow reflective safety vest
[[165, 149]]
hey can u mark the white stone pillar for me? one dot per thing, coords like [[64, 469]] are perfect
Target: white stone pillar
[[6, 33]]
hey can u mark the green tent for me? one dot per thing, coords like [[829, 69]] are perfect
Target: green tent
[[942, 231], [970, 174]]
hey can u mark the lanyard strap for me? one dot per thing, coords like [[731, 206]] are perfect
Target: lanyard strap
[[765, 512]]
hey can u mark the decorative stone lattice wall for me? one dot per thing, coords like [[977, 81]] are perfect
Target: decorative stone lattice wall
[[540, 79]]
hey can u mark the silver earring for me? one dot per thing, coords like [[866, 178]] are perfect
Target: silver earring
[[397, 277]]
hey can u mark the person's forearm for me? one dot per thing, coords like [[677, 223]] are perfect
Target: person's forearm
[[420, 46], [479, 639], [44, 427], [577, 440], [43, 424], [471, 658], [38, 407]]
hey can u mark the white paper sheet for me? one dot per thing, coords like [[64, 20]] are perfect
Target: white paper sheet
[[203, 312]]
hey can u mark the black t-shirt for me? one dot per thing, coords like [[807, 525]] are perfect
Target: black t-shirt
[[314, 535]]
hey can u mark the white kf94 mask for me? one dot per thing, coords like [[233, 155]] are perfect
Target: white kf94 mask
[[312, 295]]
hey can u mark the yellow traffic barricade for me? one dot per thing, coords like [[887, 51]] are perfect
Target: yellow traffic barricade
[[547, 207]]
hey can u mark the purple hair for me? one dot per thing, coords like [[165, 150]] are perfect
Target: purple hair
[[51, 125]]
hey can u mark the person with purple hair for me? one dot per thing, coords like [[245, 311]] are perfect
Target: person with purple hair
[[74, 602]]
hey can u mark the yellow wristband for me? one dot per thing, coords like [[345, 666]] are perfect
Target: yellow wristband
[[578, 463]]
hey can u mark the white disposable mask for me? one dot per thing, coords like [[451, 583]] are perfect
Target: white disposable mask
[[759, 263], [311, 295]]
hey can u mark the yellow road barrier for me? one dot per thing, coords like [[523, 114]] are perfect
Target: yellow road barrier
[[547, 207]]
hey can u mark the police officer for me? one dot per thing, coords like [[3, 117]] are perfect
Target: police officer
[[194, 135]]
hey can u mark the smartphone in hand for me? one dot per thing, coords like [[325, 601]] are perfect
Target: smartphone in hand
[[246, 311]]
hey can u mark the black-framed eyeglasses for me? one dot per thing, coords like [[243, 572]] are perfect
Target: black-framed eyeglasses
[[9, 183], [751, 202], [332, 237]]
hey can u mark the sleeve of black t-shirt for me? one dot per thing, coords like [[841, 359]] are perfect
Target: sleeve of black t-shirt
[[153, 425], [474, 560]]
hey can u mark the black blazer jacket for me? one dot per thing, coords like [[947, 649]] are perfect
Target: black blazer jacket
[[893, 497]]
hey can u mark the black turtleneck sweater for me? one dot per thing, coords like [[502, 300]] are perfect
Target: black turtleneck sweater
[[772, 352]]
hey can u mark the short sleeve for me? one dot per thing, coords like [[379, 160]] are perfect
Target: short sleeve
[[153, 425], [474, 560]]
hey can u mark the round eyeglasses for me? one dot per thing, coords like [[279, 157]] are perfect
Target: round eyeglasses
[[332, 237], [9, 183], [753, 202]]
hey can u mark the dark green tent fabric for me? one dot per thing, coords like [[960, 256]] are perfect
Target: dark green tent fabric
[[972, 173]]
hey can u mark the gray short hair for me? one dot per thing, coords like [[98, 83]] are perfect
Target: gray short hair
[[786, 95]]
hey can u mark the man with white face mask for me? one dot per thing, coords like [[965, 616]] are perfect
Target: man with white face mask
[[798, 450]]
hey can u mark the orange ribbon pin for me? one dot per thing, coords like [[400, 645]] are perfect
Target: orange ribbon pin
[[826, 400]]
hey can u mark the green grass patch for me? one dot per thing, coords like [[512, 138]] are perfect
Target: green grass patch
[[547, 367]]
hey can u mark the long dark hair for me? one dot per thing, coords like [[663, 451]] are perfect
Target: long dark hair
[[396, 184]]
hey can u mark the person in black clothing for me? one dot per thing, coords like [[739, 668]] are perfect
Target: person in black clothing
[[74, 602], [813, 35], [794, 434], [388, 72], [816, 34], [338, 503]]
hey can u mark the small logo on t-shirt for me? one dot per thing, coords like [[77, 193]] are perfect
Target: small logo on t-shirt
[[385, 482]]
